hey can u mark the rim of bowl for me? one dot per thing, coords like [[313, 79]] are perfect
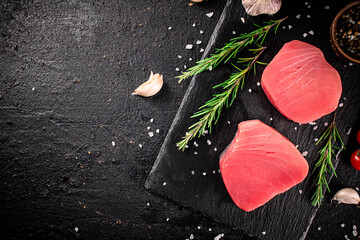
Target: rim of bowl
[[333, 32]]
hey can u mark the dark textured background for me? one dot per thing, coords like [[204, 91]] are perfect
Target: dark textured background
[[67, 69]]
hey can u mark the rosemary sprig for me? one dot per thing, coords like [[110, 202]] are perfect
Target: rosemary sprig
[[210, 111], [231, 49], [324, 164]]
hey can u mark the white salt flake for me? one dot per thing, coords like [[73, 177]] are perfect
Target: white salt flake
[[258, 83], [349, 131], [189, 46], [290, 27], [33, 89], [218, 237], [147, 204], [190, 59], [305, 153], [210, 229], [76, 229], [192, 172], [191, 236], [233, 32], [326, 124], [342, 225], [228, 122], [177, 69], [198, 227], [151, 134], [306, 3], [283, 27], [157, 131], [350, 64], [319, 228], [355, 233], [300, 191], [195, 153], [305, 34], [314, 128], [210, 14], [140, 145], [198, 42], [298, 16], [214, 171], [218, 170], [354, 227], [346, 237], [215, 149], [167, 219], [316, 139], [196, 144], [151, 120], [295, 128], [148, 128], [206, 131], [308, 16], [164, 183], [311, 32], [201, 50], [327, 7], [308, 6], [341, 105], [113, 143], [263, 233], [194, 25], [201, 31], [249, 90], [186, 146], [169, 28], [242, 19], [210, 68], [204, 173], [271, 119], [184, 66], [357, 189], [312, 123], [179, 56], [208, 142], [297, 146]]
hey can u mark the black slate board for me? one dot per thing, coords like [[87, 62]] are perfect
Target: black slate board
[[191, 178]]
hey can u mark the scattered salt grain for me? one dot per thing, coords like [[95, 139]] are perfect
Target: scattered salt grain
[[198, 227], [191, 236], [201, 31], [346, 237], [228, 122], [157, 131], [210, 229], [298, 16], [164, 184], [326, 124], [167, 219], [348, 131], [354, 227], [208, 142], [190, 59], [147, 204], [297, 146], [314, 128], [350, 64], [140, 145], [327, 7], [316, 139], [263, 233], [283, 27], [249, 90], [305, 34], [198, 42], [196, 144], [308, 6], [189, 46], [204, 173], [312, 123], [357, 189], [306, 3], [341, 105], [233, 32], [215, 149], [210, 14], [148, 128], [76, 229], [290, 27], [195, 153], [308, 16], [151, 120], [192, 172], [113, 143], [271, 119], [194, 25], [186, 146], [242, 19], [295, 128], [300, 191], [179, 56], [218, 170], [184, 66], [201, 50], [355, 233], [342, 225], [311, 32], [33, 89], [210, 68], [319, 228], [305, 153], [258, 83], [218, 237], [169, 28], [206, 131], [177, 69], [214, 171], [151, 134]]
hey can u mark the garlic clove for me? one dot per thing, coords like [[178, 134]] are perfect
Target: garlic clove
[[257, 7], [347, 196], [151, 86]]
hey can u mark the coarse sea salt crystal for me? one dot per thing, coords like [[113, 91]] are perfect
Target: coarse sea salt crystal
[[198, 42], [113, 143], [242, 19], [214, 171], [327, 7], [184, 66], [201, 50], [319, 228], [228, 122], [357, 189], [312, 123], [258, 83], [177, 69], [192, 172], [314, 128], [189, 46], [167, 219], [290, 27], [140, 145], [210, 68], [355, 233], [326, 124], [151, 134], [190, 59], [283, 27], [306, 3], [263, 233], [169, 28], [148, 128], [308, 16], [33, 89], [157, 131], [198, 227], [151, 120], [164, 183], [208, 142], [76, 229], [206, 131], [297, 146], [195, 144], [271, 119], [195, 153], [201, 31], [311, 32], [233, 32], [298, 16], [341, 105], [210, 14], [147, 204], [204, 173], [249, 90], [295, 128], [186, 146], [300, 191], [218, 237], [305, 34], [305, 153], [316, 139], [342, 225], [194, 24], [179, 56], [191, 236], [215, 149]]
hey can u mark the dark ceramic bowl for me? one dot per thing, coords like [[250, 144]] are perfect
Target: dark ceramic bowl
[[345, 33]]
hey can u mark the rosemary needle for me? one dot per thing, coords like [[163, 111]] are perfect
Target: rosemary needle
[[231, 49], [324, 164]]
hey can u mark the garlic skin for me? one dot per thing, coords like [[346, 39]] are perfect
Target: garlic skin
[[347, 196], [151, 86], [257, 7]]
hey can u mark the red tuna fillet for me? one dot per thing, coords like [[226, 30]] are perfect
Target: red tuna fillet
[[260, 163], [301, 84]]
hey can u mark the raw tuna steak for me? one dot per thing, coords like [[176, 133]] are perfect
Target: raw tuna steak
[[260, 163], [301, 84]]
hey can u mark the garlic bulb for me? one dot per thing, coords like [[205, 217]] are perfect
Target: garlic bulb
[[257, 7], [151, 86], [347, 196]]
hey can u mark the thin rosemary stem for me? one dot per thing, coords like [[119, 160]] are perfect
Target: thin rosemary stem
[[210, 112], [231, 49]]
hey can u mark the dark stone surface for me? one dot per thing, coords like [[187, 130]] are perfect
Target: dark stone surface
[[67, 69]]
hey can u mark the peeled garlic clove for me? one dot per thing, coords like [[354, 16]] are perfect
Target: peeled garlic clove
[[347, 196], [257, 7], [151, 86]]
